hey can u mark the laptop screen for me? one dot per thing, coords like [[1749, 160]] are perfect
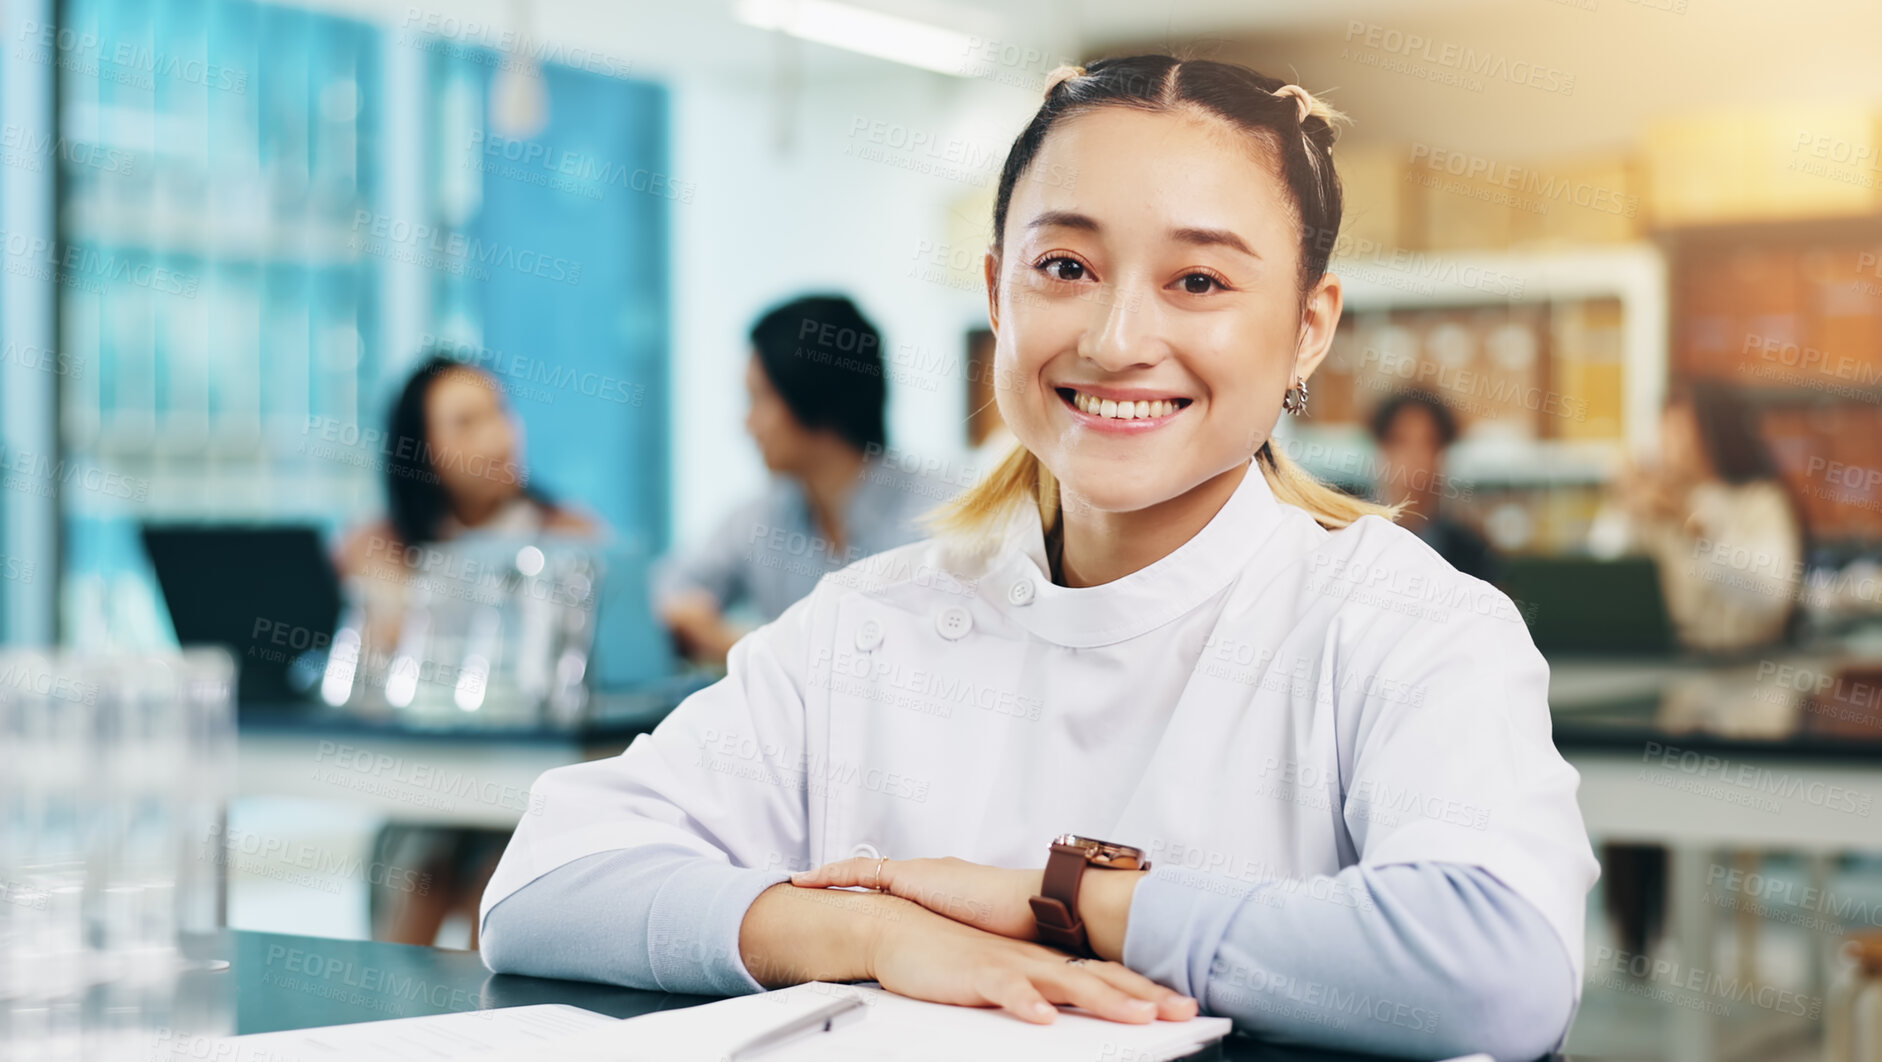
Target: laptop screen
[[267, 593]]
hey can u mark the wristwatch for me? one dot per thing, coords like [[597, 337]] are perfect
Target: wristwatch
[[1056, 912]]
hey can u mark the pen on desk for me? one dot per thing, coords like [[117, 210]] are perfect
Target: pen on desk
[[823, 1019]]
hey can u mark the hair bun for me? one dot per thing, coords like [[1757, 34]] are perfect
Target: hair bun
[[1061, 74], [1303, 100], [1307, 105]]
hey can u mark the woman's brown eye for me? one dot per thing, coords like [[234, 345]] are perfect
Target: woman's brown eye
[[1198, 283], [1065, 269]]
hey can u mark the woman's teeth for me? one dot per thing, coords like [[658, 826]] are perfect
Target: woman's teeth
[[1140, 410]]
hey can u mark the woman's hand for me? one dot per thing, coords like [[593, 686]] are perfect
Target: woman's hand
[[991, 898], [1651, 493], [917, 953]]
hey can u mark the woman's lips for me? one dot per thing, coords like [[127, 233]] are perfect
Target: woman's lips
[[1105, 410]]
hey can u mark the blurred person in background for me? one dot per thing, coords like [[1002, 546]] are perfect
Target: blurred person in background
[[1728, 545], [818, 392], [1717, 519], [453, 466], [1413, 429]]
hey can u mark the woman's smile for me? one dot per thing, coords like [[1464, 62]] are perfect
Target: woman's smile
[[1120, 410]]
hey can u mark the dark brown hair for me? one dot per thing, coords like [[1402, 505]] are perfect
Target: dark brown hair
[[1729, 431], [1384, 417], [1302, 150]]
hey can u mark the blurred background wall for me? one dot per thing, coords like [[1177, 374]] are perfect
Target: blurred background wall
[[324, 190]]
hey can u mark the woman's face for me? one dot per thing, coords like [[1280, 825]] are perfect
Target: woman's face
[[1164, 275], [1411, 455], [472, 440]]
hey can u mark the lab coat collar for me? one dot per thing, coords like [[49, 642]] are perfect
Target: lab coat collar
[[1086, 617]]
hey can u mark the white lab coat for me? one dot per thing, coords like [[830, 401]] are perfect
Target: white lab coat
[[1269, 700]]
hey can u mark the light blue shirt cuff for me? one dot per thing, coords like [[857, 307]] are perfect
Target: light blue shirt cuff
[[662, 917], [1425, 960], [1170, 911], [693, 925]]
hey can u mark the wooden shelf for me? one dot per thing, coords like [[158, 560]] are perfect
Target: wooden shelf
[[1635, 274]]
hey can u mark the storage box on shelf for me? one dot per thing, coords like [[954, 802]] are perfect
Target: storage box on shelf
[[1587, 200], [1772, 164], [1586, 360], [1435, 198], [1382, 207]]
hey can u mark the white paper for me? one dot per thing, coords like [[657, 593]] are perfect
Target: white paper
[[523, 1032], [895, 1028]]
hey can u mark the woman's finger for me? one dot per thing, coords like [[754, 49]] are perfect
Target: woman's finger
[[1081, 987], [869, 873], [1012, 991], [1171, 1004]]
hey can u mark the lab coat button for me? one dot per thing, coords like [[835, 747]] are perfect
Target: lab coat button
[[954, 623], [869, 635], [1021, 592]]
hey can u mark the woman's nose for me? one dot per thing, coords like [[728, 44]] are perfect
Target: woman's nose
[[1124, 334]]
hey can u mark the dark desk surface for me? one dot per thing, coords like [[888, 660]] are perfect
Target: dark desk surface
[[284, 982], [1714, 706]]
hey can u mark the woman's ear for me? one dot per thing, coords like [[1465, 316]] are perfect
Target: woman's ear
[[990, 266], [1320, 317]]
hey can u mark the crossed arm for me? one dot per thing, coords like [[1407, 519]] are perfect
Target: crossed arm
[[1414, 960]]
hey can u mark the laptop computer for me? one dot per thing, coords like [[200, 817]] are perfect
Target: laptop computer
[[266, 592]]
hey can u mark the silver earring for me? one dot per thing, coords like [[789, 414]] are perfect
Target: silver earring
[[1295, 400]]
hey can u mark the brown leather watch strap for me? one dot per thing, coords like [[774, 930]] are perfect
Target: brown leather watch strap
[[1056, 911]]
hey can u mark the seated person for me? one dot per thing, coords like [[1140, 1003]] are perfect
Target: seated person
[[452, 468], [1712, 500], [818, 392], [1176, 640], [1728, 545], [1413, 429]]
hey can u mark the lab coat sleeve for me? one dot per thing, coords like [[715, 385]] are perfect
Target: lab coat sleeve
[[1427, 960], [704, 812], [1454, 762], [1457, 925]]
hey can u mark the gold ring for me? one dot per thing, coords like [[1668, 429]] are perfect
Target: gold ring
[[876, 878]]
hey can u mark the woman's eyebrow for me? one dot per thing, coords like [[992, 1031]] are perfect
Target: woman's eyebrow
[[1200, 237], [1065, 219], [1213, 238]]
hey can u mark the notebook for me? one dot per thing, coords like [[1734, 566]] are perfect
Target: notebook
[[895, 1029]]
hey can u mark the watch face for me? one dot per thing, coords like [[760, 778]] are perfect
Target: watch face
[[1104, 853]]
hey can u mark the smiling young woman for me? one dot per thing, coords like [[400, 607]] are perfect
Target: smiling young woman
[[1331, 748]]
